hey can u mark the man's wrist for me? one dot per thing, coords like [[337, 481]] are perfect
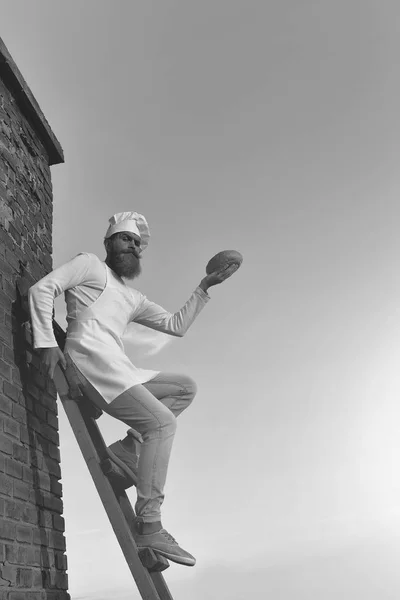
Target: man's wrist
[[203, 286]]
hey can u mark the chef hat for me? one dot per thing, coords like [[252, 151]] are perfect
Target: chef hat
[[130, 221]]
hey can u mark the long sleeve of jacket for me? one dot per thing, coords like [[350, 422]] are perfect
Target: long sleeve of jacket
[[42, 294], [154, 316]]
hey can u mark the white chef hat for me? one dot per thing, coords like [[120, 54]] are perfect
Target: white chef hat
[[130, 221]]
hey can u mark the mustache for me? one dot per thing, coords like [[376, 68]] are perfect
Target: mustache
[[128, 252]]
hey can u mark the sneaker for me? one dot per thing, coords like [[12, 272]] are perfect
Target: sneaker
[[163, 543], [128, 461]]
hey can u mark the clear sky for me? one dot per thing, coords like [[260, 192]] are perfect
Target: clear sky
[[270, 127]]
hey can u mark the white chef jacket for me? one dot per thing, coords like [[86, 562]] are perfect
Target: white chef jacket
[[95, 328]]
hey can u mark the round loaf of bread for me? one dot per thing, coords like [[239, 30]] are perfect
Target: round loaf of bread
[[222, 259]]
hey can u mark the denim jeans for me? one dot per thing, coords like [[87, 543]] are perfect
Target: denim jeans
[[151, 409]]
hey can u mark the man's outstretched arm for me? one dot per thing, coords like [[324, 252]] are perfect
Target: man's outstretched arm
[[156, 317]]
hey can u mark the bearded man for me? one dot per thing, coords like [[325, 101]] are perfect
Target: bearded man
[[100, 305]]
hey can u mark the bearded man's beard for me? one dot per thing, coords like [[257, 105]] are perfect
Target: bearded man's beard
[[125, 264]]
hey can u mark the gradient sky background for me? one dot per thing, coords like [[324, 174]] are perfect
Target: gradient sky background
[[270, 127]]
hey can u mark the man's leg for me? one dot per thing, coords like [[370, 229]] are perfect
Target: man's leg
[[138, 408], [141, 410], [150, 409], [175, 392]]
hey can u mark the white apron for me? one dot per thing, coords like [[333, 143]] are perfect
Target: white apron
[[94, 340]]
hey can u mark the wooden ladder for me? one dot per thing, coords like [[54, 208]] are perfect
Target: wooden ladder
[[111, 483], [110, 480]]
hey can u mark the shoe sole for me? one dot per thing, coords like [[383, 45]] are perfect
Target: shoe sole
[[181, 560], [122, 465]]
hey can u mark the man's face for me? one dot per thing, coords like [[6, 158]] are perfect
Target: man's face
[[123, 254]]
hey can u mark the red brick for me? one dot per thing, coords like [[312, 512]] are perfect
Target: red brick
[[5, 404], [30, 514], [5, 369], [14, 233], [11, 427], [9, 573], [33, 391], [57, 540], [52, 420], [27, 402], [61, 561], [55, 504], [58, 522], [53, 467], [54, 452], [7, 530], [10, 290], [21, 489], [38, 578], [11, 553], [56, 487], [61, 581], [6, 444], [46, 519], [43, 481], [57, 595], [34, 557], [27, 475], [20, 453], [37, 459], [23, 595], [7, 269], [41, 537], [40, 411], [13, 509], [12, 391], [19, 413], [48, 559], [6, 485], [16, 377], [50, 434], [24, 533], [24, 578], [34, 423], [5, 330], [49, 401], [13, 468], [12, 259], [26, 436], [5, 237]]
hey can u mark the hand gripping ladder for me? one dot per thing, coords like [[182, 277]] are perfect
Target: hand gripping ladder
[[110, 480]]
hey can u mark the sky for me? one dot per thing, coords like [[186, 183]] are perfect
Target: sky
[[269, 127]]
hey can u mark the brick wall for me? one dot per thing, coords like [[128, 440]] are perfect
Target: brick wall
[[32, 543]]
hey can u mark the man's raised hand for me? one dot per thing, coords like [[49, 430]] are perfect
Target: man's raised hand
[[218, 276], [50, 358]]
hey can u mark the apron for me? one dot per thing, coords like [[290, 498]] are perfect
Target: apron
[[94, 340]]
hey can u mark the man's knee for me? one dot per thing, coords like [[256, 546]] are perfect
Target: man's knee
[[165, 421], [189, 386]]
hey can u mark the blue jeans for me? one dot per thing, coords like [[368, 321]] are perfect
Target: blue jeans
[[151, 409]]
